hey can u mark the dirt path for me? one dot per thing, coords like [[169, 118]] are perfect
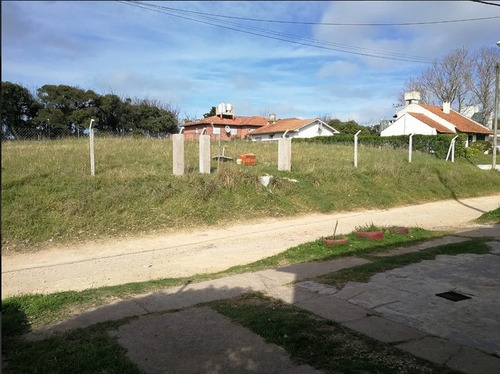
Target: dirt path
[[204, 251]]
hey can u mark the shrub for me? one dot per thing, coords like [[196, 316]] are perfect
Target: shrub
[[435, 144]]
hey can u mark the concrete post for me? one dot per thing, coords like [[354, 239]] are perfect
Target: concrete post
[[356, 149], [178, 153], [204, 154], [285, 154], [92, 157]]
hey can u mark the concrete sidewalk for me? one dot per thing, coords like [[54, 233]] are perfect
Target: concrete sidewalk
[[398, 307]]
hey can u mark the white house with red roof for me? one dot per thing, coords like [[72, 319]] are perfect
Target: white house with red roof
[[292, 128], [422, 119]]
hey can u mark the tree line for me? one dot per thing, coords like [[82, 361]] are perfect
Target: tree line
[[462, 78], [60, 110]]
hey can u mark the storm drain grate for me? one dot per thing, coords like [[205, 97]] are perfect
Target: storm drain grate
[[453, 296]]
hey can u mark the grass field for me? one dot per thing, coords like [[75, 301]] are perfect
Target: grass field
[[48, 195]]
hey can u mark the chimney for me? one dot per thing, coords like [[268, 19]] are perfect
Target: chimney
[[272, 119], [446, 107], [412, 97]]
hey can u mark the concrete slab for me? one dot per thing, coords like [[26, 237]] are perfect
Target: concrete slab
[[495, 247], [384, 330], [490, 231], [290, 294], [302, 369], [333, 308], [113, 311], [196, 341], [472, 361], [434, 349]]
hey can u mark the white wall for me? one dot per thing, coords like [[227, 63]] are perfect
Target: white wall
[[407, 125], [308, 131]]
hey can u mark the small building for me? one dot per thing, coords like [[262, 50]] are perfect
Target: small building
[[422, 119], [292, 128], [225, 125]]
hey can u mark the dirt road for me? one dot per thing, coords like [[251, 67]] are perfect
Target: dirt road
[[116, 262]]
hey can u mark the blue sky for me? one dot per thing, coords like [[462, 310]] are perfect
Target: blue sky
[[114, 47]]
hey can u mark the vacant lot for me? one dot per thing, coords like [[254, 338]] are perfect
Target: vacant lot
[[48, 195]]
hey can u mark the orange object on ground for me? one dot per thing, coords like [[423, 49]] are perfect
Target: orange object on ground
[[248, 159]]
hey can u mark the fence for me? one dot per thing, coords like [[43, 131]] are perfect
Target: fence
[[27, 133]]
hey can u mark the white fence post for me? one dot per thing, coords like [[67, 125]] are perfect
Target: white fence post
[[410, 148], [356, 149], [92, 158], [451, 150]]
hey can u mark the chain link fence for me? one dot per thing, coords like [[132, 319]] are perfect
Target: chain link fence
[[46, 133]]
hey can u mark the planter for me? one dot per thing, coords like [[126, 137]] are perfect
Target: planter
[[399, 230], [331, 242], [370, 235]]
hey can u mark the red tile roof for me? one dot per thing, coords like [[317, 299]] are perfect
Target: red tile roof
[[461, 122], [237, 121], [430, 122], [282, 125]]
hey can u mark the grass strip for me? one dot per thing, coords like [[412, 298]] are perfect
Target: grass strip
[[320, 343], [84, 351], [491, 217]]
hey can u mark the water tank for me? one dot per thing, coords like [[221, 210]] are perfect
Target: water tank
[[229, 108], [221, 109]]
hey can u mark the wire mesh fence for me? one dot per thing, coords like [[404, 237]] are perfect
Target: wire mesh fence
[[46, 133]]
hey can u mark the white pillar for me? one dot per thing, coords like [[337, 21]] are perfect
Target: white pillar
[[92, 158], [410, 147], [356, 149], [178, 154], [204, 154], [285, 154]]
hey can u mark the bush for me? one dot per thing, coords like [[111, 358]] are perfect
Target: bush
[[435, 144], [481, 146]]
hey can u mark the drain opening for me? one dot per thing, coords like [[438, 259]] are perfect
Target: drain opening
[[453, 296]]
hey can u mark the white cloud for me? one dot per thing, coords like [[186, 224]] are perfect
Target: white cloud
[[114, 47]]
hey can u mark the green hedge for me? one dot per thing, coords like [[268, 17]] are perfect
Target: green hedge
[[435, 144]]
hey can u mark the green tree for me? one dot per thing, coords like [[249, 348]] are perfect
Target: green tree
[[18, 109], [65, 107], [211, 113], [348, 128], [110, 112]]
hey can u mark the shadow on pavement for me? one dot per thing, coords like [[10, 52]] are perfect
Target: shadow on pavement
[[173, 331]]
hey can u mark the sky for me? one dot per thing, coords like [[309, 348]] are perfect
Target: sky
[[305, 59]]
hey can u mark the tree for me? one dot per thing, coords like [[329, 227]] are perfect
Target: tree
[[18, 108], [348, 128], [461, 78], [448, 79], [483, 82], [212, 112], [65, 107]]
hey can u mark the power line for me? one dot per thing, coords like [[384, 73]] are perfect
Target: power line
[[421, 23], [269, 34], [485, 2]]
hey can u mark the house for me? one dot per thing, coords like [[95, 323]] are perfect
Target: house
[[225, 125], [292, 128], [416, 118]]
